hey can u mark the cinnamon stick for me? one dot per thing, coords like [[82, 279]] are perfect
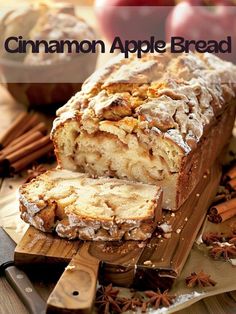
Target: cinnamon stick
[[31, 138], [223, 207], [218, 218], [22, 124], [33, 119], [221, 212], [25, 161], [228, 214], [14, 130], [23, 142], [41, 127], [27, 150]]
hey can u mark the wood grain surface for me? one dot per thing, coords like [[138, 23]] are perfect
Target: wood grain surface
[[76, 289], [37, 247]]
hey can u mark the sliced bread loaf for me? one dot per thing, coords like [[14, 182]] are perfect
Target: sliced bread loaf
[[77, 206], [162, 119]]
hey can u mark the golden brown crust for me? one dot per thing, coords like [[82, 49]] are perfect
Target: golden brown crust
[[209, 148], [146, 120], [184, 92]]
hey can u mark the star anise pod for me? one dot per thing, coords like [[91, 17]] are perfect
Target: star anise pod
[[226, 251], [127, 304], [35, 171], [157, 299], [144, 302], [200, 279], [210, 237], [106, 300]]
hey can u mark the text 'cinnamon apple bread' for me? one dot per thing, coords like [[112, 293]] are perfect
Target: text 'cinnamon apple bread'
[[162, 119], [77, 206]]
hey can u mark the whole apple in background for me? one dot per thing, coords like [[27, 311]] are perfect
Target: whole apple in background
[[193, 20], [132, 19]]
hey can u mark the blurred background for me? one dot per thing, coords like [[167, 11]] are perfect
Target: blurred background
[[46, 81]]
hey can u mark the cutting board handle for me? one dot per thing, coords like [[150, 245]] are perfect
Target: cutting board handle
[[76, 288]]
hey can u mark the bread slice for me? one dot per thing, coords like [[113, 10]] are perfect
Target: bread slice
[[77, 206]]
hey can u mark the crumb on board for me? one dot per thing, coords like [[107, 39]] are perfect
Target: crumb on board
[[70, 267]]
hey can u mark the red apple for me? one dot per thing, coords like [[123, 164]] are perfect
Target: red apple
[[195, 21], [132, 19]]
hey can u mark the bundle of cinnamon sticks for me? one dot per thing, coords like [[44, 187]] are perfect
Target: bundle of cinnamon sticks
[[24, 142], [226, 200]]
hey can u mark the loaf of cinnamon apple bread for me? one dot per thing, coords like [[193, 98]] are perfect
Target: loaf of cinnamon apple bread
[[77, 206], [162, 119]]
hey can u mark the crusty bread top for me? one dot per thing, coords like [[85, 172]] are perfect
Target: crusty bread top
[[176, 95], [88, 198]]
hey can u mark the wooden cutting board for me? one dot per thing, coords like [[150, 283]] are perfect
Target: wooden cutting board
[[142, 265]]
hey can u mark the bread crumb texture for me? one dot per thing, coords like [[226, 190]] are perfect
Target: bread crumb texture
[[142, 120], [77, 206]]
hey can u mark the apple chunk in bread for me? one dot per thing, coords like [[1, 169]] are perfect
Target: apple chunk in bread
[[77, 206]]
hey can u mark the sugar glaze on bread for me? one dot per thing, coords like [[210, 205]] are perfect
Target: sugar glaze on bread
[[162, 119], [76, 206]]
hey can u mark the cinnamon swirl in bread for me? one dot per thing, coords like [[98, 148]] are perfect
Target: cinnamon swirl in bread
[[162, 119], [76, 206]]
